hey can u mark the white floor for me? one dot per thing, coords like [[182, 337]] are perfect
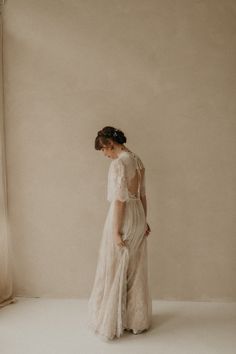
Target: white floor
[[57, 326]]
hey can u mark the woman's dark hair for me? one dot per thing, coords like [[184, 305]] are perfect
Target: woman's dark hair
[[109, 133]]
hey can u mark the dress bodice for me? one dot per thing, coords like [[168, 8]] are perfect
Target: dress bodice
[[126, 177]]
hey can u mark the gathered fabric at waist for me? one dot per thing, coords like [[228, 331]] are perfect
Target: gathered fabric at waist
[[133, 197]]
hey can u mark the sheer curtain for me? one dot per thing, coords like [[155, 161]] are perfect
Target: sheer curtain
[[6, 273]]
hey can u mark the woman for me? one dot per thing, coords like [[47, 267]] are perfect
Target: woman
[[120, 299]]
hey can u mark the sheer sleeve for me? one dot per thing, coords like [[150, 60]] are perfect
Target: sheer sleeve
[[117, 182]]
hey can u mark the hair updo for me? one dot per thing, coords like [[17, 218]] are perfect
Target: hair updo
[[105, 135]]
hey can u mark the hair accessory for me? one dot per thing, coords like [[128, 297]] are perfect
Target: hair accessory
[[115, 132]]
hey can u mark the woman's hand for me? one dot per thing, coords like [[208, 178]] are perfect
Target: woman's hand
[[119, 241], [148, 230]]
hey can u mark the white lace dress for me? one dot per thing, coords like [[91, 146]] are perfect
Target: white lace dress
[[120, 297]]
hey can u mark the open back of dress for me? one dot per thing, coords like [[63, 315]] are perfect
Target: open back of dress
[[135, 182], [126, 178]]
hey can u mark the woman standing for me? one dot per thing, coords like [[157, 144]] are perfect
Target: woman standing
[[120, 298]]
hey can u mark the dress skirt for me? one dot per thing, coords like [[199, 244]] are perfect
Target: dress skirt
[[120, 297]]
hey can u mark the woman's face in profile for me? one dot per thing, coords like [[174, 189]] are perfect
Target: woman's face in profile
[[109, 152]]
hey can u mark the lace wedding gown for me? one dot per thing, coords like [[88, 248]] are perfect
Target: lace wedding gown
[[120, 297]]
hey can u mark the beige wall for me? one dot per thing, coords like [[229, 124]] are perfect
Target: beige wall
[[162, 71]]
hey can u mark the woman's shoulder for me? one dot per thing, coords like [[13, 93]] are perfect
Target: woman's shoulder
[[130, 158], [138, 159]]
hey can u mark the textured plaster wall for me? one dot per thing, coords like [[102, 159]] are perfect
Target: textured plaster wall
[[162, 71]]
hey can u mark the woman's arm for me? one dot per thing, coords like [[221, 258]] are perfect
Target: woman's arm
[[144, 202], [120, 196], [119, 210]]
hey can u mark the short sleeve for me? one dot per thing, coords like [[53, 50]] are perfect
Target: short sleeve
[[117, 182]]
